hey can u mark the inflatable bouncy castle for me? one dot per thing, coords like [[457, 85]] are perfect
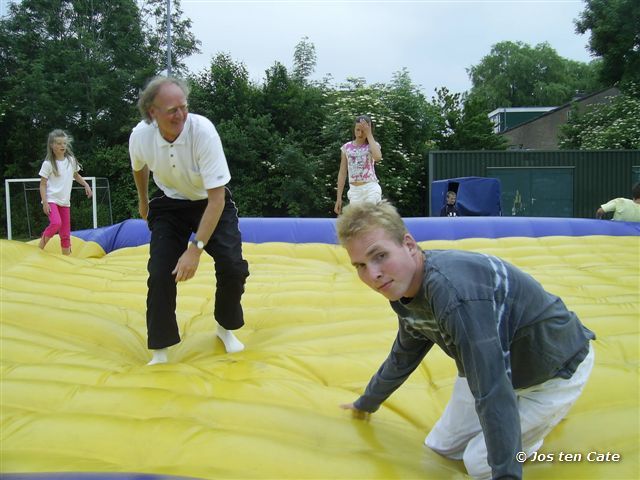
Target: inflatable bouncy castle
[[77, 400]]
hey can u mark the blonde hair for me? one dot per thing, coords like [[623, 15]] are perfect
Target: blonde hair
[[362, 217], [148, 95], [68, 154]]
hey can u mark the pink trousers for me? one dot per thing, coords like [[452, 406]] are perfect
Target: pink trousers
[[59, 222]]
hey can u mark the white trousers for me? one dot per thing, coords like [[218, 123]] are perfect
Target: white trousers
[[368, 192], [458, 434]]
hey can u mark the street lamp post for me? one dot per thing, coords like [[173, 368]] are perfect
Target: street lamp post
[[168, 38]]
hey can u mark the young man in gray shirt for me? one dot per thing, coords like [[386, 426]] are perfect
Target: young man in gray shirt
[[522, 357]]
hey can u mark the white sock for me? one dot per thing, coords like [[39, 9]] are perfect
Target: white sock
[[159, 356], [231, 343]]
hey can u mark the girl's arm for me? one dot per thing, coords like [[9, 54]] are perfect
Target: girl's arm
[[87, 189], [43, 195], [342, 178], [374, 148]]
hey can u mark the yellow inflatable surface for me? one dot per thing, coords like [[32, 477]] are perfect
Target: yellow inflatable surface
[[76, 395]]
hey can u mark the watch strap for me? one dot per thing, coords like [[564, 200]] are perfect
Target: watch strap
[[198, 243]]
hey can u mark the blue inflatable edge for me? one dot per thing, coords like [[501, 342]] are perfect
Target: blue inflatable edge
[[132, 233]]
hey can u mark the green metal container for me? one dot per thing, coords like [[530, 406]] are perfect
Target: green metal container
[[536, 183]]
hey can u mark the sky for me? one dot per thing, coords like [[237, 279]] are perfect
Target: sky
[[436, 41]]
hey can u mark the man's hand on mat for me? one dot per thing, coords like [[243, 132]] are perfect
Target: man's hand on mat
[[356, 413]]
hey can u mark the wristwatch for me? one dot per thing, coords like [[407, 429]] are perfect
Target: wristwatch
[[198, 243]]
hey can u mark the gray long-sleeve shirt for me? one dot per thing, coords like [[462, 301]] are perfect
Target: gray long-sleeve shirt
[[503, 330]]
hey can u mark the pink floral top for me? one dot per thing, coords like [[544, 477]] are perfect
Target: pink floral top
[[360, 164]]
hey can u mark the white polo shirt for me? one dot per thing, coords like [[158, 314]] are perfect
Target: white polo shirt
[[186, 168]]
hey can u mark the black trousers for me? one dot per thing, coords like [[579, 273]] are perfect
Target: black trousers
[[171, 223]]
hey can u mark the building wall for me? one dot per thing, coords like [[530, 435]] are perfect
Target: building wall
[[510, 117], [542, 132]]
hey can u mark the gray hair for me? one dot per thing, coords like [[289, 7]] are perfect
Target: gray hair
[[148, 95]]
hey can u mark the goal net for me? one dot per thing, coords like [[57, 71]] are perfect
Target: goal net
[[26, 220]]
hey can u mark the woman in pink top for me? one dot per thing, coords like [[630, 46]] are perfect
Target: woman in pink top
[[358, 158]]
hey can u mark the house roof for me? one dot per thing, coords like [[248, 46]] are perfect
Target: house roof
[[519, 109], [568, 104]]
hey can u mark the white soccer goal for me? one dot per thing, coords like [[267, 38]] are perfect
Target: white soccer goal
[[26, 198]]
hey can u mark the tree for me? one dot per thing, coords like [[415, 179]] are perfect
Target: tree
[[295, 181], [615, 37], [252, 147], [517, 75], [295, 107], [611, 125], [76, 65], [68, 64], [153, 15], [223, 92], [304, 60], [269, 133], [463, 123]]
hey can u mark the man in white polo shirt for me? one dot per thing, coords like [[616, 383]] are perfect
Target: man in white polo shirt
[[189, 167]]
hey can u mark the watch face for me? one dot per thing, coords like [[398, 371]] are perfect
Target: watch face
[[199, 244]]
